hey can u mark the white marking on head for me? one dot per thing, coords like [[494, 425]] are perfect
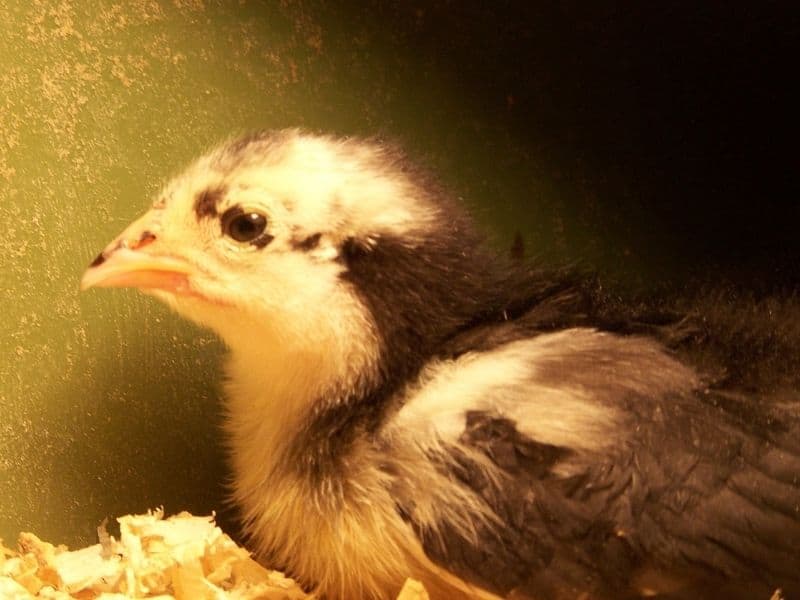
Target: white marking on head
[[338, 187], [307, 187]]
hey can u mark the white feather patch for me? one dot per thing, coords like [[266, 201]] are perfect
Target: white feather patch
[[510, 382]]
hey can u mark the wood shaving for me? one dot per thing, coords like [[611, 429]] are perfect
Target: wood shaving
[[183, 557], [413, 590]]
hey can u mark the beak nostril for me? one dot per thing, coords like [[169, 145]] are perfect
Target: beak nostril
[[98, 260], [146, 238]]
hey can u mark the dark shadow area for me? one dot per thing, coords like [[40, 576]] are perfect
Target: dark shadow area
[[667, 131]]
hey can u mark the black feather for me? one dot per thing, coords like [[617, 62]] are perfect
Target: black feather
[[691, 497], [702, 497], [706, 491]]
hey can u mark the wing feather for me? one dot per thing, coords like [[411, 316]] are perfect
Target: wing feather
[[689, 490]]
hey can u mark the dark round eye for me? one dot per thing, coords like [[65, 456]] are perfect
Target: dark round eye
[[243, 226]]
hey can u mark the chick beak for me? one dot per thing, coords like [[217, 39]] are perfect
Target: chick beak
[[130, 261]]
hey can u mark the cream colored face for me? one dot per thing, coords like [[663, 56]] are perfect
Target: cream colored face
[[253, 234]]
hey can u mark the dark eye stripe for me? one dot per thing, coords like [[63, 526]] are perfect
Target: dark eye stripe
[[206, 202], [308, 243]]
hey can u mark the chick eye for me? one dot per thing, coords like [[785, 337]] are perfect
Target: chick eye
[[243, 226]]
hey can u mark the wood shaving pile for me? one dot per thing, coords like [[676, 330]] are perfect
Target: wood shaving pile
[[183, 557]]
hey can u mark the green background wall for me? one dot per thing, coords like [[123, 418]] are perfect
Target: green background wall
[[549, 120]]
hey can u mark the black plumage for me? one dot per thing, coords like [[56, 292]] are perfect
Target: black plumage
[[703, 499]]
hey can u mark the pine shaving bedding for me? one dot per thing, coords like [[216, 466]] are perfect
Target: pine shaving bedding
[[183, 557]]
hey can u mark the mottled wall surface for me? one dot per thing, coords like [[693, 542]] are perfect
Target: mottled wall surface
[[592, 130], [98, 102]]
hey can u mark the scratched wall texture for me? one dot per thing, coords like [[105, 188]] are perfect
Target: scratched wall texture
[[98, 101], [638, 140]]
